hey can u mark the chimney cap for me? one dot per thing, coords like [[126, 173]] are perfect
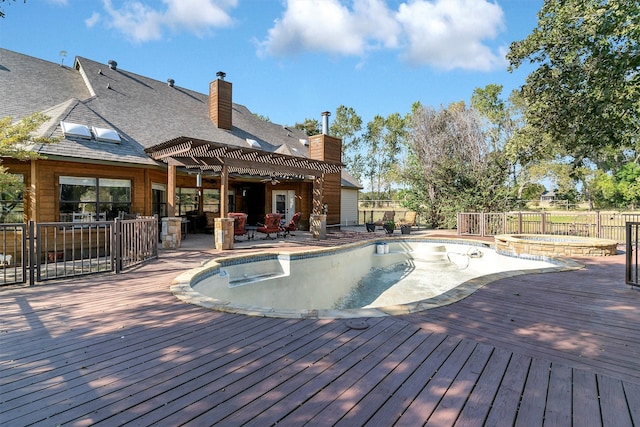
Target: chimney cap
[[326, 113], [112, 64], [221, 75]]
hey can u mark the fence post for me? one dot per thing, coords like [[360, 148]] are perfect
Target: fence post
[[32, 253], [504, 223], [544, 223], [116, 247], [598, 224], [520, 222]]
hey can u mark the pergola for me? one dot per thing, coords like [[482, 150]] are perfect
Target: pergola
[[224, 159]]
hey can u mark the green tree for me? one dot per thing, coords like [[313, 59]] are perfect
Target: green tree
[[14, 143], [2, 14], [309, 126], [584, 93], [382, 141], [347, 125]]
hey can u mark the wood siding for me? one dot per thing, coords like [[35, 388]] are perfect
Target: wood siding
[[220, 103], [326, 148]]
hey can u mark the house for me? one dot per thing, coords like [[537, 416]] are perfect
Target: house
[[548, 196], [130, 144]]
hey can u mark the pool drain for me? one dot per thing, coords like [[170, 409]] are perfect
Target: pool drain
[[357, 324]]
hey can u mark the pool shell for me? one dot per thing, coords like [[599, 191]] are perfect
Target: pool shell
[[183, 286], [553, 245]]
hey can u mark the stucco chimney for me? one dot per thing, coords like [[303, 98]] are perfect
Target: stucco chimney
[[220, 102]]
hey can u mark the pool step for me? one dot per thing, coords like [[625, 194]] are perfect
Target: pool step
[[246, 280]]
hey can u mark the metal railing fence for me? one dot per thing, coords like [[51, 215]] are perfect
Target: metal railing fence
[[631, 265], [37, 252]]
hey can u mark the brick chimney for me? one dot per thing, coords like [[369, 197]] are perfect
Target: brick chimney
[[220, 102]]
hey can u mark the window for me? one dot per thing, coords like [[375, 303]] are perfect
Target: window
[[211, 200], [186, 200], [98, 198], [159, 199], [11, 200]]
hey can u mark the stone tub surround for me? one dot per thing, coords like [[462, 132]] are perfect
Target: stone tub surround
[[183, 286], [553, 245]]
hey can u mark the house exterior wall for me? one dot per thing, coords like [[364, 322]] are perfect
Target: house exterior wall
[[349, 207]]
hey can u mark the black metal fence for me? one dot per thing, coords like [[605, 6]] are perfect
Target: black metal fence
[[631, 270], [37, 252]]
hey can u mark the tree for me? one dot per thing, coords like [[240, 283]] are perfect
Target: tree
[[382, 141], [14, 142], [2, 9], [584, 93], [309, 126], [453, 166], [347, 126]]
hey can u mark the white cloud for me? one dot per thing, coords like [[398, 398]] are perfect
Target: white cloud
[[144, 23], [329, 26], [443, 34], [449, 34], [92, 20]]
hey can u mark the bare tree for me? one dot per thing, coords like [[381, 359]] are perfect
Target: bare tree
[[457, 167]]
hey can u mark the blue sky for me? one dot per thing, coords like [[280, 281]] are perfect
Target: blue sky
[[289, 60]]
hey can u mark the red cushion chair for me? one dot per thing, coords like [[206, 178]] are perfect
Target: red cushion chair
[[293, 224], [271, 225], [240, 221]]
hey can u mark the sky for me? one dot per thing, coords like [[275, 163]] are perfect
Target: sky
[[289, 60]]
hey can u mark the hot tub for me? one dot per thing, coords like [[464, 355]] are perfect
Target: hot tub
[[553, 246]]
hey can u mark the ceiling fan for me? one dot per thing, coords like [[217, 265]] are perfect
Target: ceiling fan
[[272, 180]]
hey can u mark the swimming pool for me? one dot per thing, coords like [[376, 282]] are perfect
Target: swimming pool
[[322, 283]]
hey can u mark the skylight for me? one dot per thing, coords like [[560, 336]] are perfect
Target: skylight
[[108, 135], [253, 143], [75, 130]]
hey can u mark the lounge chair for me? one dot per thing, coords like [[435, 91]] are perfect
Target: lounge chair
[[388, 216], [240, 221], [409, 219], [271, 225], [293, 224]]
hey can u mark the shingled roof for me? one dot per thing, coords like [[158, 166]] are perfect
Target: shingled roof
[[144, 112]]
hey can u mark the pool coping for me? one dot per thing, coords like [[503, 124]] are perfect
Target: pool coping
[[182, 288]]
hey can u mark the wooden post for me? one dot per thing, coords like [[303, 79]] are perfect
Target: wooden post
[[318, 190], [224, 191], [171, 190], [32, 213]]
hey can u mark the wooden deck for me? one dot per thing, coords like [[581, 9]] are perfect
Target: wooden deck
[[554, 349]]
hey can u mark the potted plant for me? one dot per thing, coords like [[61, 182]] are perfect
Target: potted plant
[[389, 226]]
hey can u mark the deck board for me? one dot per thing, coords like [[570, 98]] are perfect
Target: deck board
[[556, 348]]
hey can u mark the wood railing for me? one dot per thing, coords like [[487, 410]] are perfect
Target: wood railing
[[606, 225]]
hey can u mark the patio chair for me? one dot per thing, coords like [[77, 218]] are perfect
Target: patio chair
[[388, 216], [293, 224], [409, 219], [271, 225], [240, 221]]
